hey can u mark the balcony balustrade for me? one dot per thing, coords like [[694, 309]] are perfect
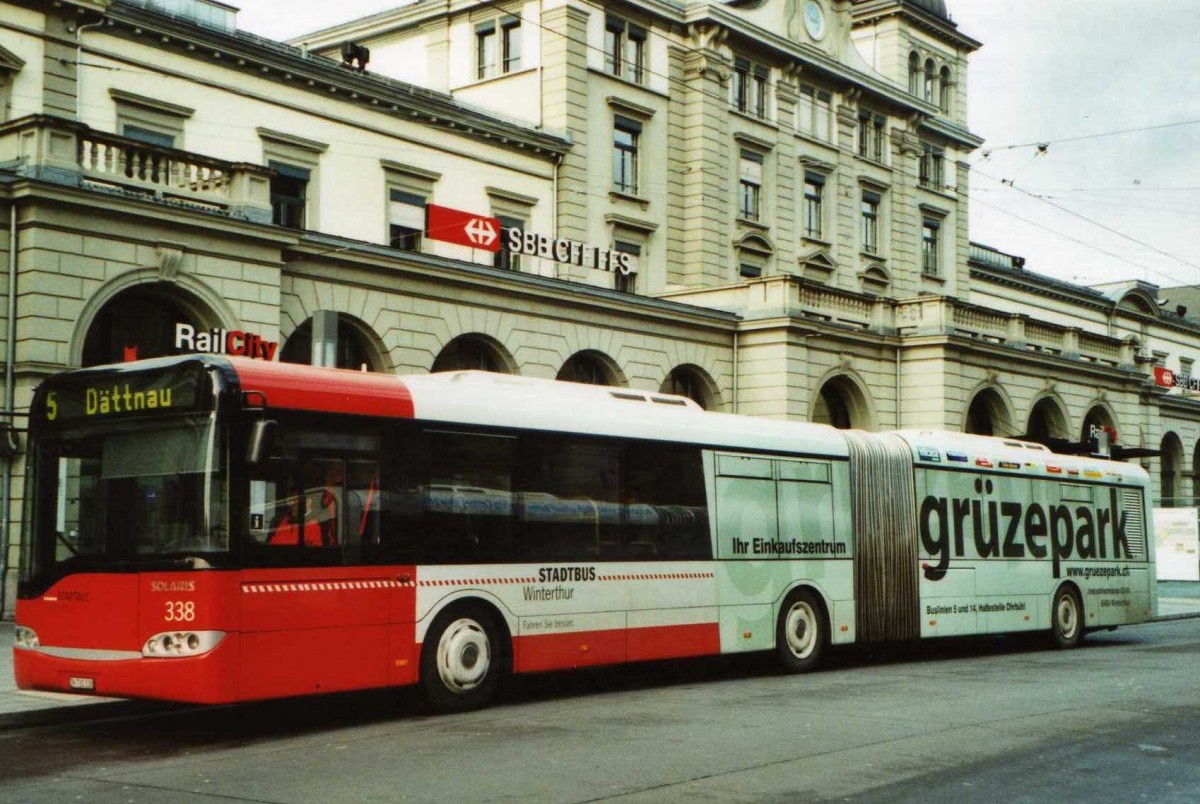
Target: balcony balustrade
[[62, 151]]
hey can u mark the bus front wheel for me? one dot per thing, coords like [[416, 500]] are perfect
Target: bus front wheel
[[461, 659], [801, 633], [1066, 618]]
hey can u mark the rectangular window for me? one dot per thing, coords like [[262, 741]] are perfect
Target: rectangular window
[[871, 130], [815, 113], [288, 188], [750, 87], [932, 167], [506, 260], [626, 283], [625, 154], [870, 222], [406, 220], [485, 49], [148, 136], [624, 49], [465, 498], [510, 30], [750, 178], [814, 191], [930, 247]]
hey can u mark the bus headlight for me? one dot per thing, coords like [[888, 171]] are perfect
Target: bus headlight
[[25, 638], [171, 644]]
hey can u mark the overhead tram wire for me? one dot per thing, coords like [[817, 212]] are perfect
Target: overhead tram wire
[[1103, 226], [1076, 240], [1044, 143]]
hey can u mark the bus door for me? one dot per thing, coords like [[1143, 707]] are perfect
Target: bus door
[[749, 580], [946, 582], [314, 617]]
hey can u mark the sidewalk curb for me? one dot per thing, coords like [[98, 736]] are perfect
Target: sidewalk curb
[[78, 713], [1183, 615]]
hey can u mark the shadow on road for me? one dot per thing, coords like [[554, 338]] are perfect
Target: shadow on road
[[164, 732]]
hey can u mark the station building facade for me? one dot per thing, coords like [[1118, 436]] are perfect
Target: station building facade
[[762, 205]]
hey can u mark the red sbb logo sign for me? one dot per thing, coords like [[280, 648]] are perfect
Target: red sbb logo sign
[[463, 228], [1165, 378]]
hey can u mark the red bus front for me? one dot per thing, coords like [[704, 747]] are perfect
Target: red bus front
[[159, 561]]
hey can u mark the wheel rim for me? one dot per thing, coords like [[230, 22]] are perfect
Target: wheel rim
[[1067, 616], [464, 655], [800, 630]]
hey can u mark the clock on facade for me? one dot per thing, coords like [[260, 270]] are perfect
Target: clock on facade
[[814, 19]]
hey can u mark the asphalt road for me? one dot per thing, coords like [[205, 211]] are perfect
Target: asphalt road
[[972, 720]]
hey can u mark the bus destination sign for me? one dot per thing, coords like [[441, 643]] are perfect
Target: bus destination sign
[[121, 394]]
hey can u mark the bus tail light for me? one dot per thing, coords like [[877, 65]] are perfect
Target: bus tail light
[[171, 644], [26, 638]]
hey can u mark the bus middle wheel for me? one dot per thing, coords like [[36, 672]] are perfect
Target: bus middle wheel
[[801, 633]]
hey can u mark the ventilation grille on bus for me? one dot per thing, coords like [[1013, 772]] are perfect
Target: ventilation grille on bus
[[631, 396], [1135, 523]]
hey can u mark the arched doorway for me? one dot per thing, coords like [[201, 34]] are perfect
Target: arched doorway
[[343, 345], [143, 322], [1172, 468], [473, 352], [588, 367], [692, 382], [1098, 426], [988, 415], [1047, 422], [842, 404]]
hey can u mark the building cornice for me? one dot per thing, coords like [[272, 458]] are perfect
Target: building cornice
[[266, 59], [1050, 288], [315, 246]]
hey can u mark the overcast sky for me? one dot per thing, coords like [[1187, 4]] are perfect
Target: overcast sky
[[1106, 208]]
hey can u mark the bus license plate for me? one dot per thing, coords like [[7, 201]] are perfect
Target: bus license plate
[[78, 683]]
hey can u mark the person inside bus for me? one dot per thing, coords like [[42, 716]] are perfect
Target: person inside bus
[[297, 523]]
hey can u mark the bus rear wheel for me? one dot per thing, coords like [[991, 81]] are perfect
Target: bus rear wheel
[[1066, 618], [801, 632], [461, 659]]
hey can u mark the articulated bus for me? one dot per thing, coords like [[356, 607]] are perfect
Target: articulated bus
[[209, 529]]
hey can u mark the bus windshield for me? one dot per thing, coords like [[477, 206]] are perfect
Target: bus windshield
[[127, 494]]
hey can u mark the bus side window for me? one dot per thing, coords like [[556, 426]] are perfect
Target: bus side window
[[362, 503]]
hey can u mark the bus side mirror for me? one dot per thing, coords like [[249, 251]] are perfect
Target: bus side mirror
[[262, 436]]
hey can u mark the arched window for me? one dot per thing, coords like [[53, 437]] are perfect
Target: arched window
[[946, 89], [914, 73], [472, 353], [586, 367], [138, 323], [930, 80], [691, 382], [347, 349]]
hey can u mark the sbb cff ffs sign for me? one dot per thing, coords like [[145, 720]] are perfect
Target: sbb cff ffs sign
[[1165, 378], [483, 232]]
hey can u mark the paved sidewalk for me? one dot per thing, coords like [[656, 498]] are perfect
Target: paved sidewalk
[[1176, 600]]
